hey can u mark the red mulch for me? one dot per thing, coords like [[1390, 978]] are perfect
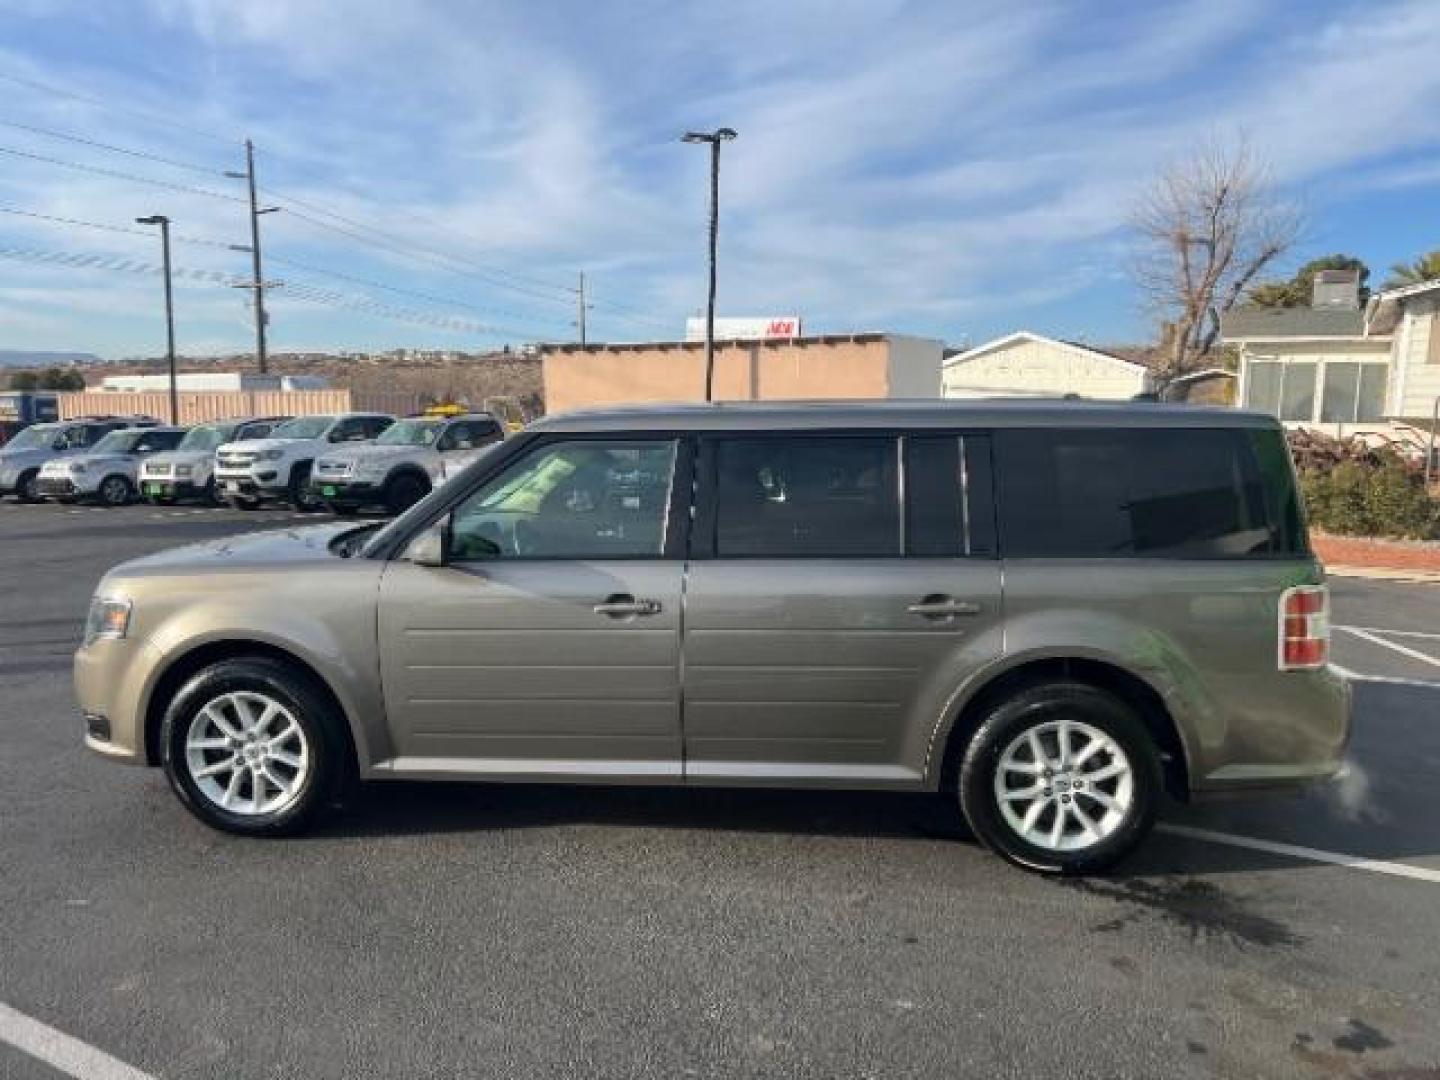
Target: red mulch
[[1382, 554]]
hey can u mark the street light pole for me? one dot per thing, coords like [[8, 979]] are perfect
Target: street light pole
[[714, 138], [164, 223]]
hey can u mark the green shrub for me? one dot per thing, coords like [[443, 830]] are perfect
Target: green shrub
[[1357, 498]]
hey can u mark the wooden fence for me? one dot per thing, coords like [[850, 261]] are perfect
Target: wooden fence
[[197, 406]]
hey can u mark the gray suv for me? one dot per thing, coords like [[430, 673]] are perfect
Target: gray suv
[[1052, 613]]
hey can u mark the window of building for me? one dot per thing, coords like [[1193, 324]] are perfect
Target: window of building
[[1353, 392], [1297, 391], [578, 499], [1172, 493], [807, 497]]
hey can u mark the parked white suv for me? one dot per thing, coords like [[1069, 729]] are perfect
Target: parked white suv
[[279, 467], [107, 471], [188, 471], [404, 464]]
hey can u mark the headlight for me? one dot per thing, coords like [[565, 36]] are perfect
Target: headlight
[[109, 618], [275, 453], [77, 468], [184, 470]]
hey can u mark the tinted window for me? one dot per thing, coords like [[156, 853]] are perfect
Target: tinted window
[[1196, 493], [581, 499], [158, 440], [817, 497], [949, 502]]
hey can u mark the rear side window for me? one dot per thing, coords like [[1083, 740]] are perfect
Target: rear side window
[[807, 497], [1196, 493], [949, 505]]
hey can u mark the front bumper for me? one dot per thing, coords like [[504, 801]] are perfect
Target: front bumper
[[346, 492], [109, 686], [167, 488], [58, 487]]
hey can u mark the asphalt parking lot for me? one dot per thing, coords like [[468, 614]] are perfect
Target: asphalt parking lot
[[459, 930]]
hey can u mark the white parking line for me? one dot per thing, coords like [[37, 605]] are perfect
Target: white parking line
[[1334, 858], [58, 1050], [1427, 634], [1355, 676], [1403, 650]]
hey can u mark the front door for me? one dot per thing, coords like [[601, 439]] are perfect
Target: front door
[[843, 587], [549, 646]]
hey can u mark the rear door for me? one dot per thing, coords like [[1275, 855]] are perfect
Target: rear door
[[549, 646], [842, 587]]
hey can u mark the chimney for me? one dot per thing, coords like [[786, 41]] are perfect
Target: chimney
[[1336, 289]]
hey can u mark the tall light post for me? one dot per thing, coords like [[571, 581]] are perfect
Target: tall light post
[[714, 138], [164, 223]]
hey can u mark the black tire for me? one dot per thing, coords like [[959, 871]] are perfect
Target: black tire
[[115, 490], [25, 489], [342, 509], [242, 502], [326, 740], [210, 494], [301, 497], [404, 491], [1039, 705]]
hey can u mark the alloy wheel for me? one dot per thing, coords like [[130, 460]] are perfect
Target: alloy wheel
[[247, 754], [1064, 785]]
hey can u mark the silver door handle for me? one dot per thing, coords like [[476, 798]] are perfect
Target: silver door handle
[[617, 608], [934, 608]]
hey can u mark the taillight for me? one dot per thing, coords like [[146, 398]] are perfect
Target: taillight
[[1304, 628]]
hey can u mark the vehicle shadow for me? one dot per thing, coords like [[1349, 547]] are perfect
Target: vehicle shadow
[[401, 808]]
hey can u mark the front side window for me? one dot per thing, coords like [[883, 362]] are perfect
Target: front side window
[[154, 441], [469, 434], [807, 497], [411, 433], [579, 499], [118, 442], [1162, 493]]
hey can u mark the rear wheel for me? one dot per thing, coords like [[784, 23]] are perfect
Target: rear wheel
[[254, 746], [404, 491], [1062, 778], [115, 491]]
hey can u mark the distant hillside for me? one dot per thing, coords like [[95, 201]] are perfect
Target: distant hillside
[[26, 358]]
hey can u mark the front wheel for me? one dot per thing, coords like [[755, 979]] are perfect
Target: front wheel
[[1062, 778], [403, 492], [115, 491], [28, 489], [302, 498], [253, 746]]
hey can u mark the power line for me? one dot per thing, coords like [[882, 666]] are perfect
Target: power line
[[148, 117], [142, 154], [300, 290], [116, 174], [15, 211]]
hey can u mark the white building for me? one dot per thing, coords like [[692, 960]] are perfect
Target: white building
[[211, 380], [1342, 369], [1029, 365]]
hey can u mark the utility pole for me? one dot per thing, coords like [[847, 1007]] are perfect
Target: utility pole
[[164, 223], [257, 284], [581, 322], [714, 138]]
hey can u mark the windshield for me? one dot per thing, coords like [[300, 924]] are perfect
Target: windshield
[[204, 437], [32, 438], [118, 442], [303, 427], [411, 433]]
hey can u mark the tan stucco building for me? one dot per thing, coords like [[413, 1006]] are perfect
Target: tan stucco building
[[803, 368]]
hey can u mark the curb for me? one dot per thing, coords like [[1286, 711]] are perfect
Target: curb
[[1383, 573]]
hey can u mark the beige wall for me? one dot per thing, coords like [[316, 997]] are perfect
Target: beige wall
[[744, 371], [1041, 368], [1418, 358], [197, 406]]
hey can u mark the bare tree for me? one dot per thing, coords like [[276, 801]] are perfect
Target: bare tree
[[1208, 225]]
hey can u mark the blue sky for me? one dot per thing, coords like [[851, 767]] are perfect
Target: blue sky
[[955, 169]]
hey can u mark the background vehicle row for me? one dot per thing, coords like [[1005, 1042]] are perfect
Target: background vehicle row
[[22, 458]]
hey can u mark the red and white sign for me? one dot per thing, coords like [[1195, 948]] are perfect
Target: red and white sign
[[773, 326]]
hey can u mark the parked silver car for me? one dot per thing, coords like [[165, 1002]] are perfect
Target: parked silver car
[[403, 464], [1053, 613], [188, 471], [108, 471], [22, 458]]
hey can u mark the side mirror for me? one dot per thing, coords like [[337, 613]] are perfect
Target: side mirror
[[431, 547]]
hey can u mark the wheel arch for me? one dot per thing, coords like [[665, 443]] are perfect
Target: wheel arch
[[1147, 702], [182, 667]]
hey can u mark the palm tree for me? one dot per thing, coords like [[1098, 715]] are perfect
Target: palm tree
[[1425, 268]]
